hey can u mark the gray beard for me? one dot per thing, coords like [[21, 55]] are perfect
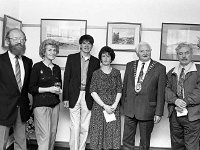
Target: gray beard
[[17, 50]]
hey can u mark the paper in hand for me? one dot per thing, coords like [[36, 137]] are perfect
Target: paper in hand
[[109, 117]]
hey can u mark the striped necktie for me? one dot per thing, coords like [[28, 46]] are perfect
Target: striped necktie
[[141, 73], [180, 86], [18, 72]]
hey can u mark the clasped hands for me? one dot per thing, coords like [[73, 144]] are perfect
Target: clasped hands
[[110, 109], [180, 105]]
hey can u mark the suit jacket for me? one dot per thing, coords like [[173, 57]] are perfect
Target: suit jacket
[[10, 95], [72, 79], [150, 100], [191, 89]]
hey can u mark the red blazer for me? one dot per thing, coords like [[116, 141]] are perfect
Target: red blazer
[[72, 79], [150, 100], [10, 96]]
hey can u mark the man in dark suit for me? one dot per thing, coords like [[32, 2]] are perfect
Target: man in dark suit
[[143, 97], [183, 98], [14, 80], [77, 77]]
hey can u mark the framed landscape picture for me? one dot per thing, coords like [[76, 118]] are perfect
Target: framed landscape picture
[[123, 36], [66, 31], [9, 23], [174, 33]]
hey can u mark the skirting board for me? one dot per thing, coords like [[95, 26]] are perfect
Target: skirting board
[[66, 144]]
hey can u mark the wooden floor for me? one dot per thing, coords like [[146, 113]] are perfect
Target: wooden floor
[[34, 147]]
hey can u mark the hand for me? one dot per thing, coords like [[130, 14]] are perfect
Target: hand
[[179, 109], [180, 103], [66, 104], [108, 109], [157, 119], [113, 107], [55, 89]]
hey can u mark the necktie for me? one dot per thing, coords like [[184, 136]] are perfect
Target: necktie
[[18, 72], [180, 84], [141, 73]]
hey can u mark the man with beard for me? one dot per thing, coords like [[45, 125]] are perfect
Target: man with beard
[[77, 78], [143, 97], [183, 98], [15, 72]]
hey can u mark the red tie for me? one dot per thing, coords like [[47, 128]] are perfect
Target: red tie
[[18, 73]]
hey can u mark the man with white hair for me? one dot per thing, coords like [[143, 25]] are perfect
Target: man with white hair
[[142, 97], [183, 98]]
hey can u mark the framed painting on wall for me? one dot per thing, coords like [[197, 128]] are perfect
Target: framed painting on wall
[[122, 36], [174, 33], [66, 31], [9, 23]]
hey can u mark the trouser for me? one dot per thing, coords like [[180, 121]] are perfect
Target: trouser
[[130, 126], [46, 122], [19, 134], [184, 133], [80, 119]]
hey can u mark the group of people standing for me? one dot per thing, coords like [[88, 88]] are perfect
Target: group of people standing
[[93, 91]]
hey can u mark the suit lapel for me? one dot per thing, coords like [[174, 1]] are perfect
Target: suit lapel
[[78, 66], [90, 68], [151, 66], [11, 74], [133, 72]]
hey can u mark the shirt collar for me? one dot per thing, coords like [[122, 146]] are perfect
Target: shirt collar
[[85, 58], [146, 63], [12, 56], [189, 68]]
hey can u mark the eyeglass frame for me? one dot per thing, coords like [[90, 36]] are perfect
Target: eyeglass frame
[[18, 39]]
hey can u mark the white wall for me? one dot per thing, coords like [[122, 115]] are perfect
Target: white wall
[[151, 13]]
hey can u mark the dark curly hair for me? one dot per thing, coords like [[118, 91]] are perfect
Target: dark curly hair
[[109, 50]]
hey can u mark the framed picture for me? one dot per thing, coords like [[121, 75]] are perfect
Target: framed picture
[[174, 33], [123, 36], [66, 31], [9, 23]]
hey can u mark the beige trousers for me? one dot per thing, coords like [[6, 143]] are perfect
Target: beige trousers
[[46, 122], [80, 120], [19, 134]]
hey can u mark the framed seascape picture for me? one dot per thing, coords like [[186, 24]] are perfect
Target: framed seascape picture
[[174, 33], [9, 23], [123, 36], [66, 31]]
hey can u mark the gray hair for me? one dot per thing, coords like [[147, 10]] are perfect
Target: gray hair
[[142, 43], [184, 44]]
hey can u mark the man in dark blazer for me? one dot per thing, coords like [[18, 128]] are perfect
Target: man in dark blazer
[[183, 98], [77, 77], [14, 101], [143, 97]]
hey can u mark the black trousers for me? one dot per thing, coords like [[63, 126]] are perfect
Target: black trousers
[[130, 126], [184, 133]]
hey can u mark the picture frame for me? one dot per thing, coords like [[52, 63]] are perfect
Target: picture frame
[[123, 36], [174, 33], [66, 31], [9, 23]]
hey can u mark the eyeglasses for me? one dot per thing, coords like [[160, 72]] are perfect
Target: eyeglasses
[[15, 39]]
